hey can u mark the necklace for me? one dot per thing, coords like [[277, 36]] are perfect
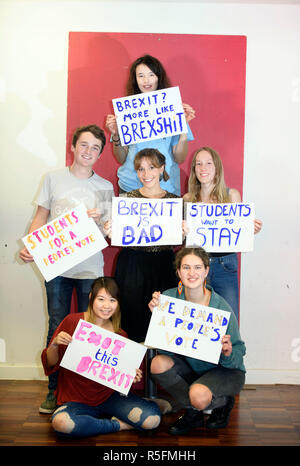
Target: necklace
[[159, 195]]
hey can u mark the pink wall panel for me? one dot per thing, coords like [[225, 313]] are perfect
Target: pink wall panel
[[209, 70]]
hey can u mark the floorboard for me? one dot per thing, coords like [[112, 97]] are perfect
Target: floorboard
[[263, 416]]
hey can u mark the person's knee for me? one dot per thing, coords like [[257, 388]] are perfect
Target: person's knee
[[63, 423], [151, 422], [200, 396], [160, 364]]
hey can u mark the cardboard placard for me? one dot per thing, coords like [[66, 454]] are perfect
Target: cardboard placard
[[187, 328], [146, 222], [104, 357], [151, 115], [64, 242], [220, 227]]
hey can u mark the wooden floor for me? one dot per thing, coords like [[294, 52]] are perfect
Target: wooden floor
[[262, 416]]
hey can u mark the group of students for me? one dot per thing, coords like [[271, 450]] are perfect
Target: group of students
[[80, 406]]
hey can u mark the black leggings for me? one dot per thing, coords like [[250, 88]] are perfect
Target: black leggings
[[222, 382]]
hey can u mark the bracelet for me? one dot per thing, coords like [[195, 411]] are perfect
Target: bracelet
[[113, 140]]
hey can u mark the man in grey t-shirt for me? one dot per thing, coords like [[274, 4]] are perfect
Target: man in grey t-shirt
[[62, 190]]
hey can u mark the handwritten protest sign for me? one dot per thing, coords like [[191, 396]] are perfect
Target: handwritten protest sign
[[187, 328], [150, 115], [146, 222], [220, 227], [64, 242], [103, 356]]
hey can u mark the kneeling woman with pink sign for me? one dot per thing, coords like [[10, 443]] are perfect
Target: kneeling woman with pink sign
[[198, 385], [86, 407]]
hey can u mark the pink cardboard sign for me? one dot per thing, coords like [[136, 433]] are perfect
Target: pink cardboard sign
[[104, 357], [64, 242]]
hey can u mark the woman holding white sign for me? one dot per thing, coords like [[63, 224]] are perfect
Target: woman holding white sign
[[147, 75], [198, 385], [142, 269], [87, 407], [207, 185]]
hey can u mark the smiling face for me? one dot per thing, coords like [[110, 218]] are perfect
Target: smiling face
[[147, 81], [104, 305], [192, 271], [87, 150], [148, 174], [205, 168]]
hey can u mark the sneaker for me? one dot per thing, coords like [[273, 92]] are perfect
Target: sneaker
[[190, 420], [219, 418], [49, 405]]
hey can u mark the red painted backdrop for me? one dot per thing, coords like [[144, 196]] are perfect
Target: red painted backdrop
[[209, 70]]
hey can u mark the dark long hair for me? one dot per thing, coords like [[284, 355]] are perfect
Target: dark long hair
[[111, 287], [155, 66]]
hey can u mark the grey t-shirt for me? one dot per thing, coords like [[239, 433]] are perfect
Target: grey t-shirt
[[62, 191]]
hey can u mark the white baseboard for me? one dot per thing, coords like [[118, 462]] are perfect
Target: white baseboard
[[253, 376], [21, 372], [271, 377]]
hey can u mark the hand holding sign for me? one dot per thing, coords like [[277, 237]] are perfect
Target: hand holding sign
[[111, 124], [95, 214], [62, 338], [154, 301], [189, 112], [226, 345]]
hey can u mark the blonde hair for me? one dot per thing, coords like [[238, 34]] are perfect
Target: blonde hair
[[111, 287], [220, 192]]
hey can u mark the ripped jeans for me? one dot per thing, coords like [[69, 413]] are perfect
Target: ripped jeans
[[85, 420]]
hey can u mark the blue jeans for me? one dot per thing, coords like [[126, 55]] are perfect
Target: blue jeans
[[223, 278], [95, 420], [59, 295]]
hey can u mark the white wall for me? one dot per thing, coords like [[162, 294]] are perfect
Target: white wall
[[33, 93]]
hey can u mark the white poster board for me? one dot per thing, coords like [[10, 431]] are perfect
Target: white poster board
[[187, 328], [220, 227], [104, 357], [64, 242], [146, 222], [150, 115]]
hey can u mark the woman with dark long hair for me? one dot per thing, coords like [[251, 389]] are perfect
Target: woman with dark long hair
[[147, 75], [85, 407]]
